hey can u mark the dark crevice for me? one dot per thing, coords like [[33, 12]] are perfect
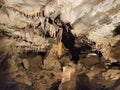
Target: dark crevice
[[58, 21], [50, 21], [99, 54], [69, 42], [116, 85], [47, 35], [55, 85], [114, 65], [116, 31], [32, 54], [117, 44], [42, 54], [3, 62]]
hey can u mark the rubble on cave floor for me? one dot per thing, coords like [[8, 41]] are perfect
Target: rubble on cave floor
[[38, 71]]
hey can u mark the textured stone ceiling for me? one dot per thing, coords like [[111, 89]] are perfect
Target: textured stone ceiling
[[27, 21]]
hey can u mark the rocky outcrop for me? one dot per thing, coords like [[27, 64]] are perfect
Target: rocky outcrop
[[51, 61]]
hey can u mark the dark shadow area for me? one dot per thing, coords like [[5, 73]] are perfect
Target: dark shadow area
[[55, 85], [84, 50], [5, 80], [99, 54], [85, 84], [69, 41], [115, 51], [116, 31], [117, 43], [116, 86], [114, 65], [42, 54], [32, 54]]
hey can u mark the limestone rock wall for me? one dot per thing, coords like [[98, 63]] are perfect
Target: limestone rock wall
[[97, 19]]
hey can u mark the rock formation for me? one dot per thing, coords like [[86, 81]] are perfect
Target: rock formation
[[59, 29], [25, 24]]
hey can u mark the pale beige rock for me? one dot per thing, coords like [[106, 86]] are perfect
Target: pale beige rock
[[26, 64], [12, 64], [51, 62], [111, 75], [68, 79], [92, 72], [67, 73]]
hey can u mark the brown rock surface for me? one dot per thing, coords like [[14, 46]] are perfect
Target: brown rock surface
[[32, 31], [51, 62]]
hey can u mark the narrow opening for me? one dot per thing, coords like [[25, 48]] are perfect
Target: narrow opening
[[114, 65], [116, 31], [68, 40]]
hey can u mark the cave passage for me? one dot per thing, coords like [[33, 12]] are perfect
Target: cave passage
[[68, 40]]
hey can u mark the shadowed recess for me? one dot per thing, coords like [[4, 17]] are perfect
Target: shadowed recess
[[116, 31]]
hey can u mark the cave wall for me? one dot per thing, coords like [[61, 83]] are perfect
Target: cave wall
[[96, 19], [24, 21]]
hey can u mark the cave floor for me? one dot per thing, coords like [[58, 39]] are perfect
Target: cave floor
[[41, 71]]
